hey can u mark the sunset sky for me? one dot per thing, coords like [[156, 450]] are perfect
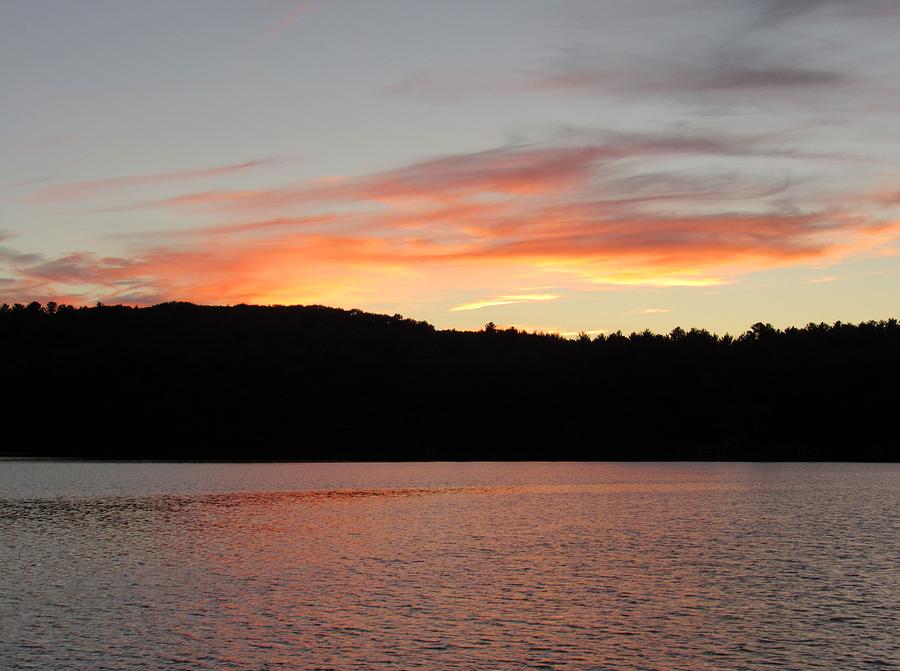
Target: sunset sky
[[562, 166]]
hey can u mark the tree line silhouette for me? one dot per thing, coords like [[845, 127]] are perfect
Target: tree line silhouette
[[184, 381]]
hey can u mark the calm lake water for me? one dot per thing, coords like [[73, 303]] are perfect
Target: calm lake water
[[449, 566]]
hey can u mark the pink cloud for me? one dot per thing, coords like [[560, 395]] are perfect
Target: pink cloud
[[521, 171], [80, 190], [299, 11]]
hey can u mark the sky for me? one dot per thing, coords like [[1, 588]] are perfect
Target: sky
[[562, 166]]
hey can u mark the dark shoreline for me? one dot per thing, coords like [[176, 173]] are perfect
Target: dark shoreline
[[180, 382]]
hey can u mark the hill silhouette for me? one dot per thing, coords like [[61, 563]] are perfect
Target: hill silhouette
[[184, 381]]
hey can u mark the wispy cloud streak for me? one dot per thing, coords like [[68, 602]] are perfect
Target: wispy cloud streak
[[300, 10], [80, 190], [504, 300]]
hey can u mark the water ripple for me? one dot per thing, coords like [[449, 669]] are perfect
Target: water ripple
[[573, 566]]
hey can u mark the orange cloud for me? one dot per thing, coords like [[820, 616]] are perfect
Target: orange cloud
[[487, 222], [291, 265]]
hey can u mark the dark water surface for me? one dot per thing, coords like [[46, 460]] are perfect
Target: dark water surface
[[449, 566]]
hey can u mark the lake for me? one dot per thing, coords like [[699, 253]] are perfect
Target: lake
[[449, 566]]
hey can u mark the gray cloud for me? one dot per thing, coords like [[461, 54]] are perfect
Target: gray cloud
[[737, 77], [733, 61], [722, 77], [779, 11], [15, 257], [776, 12]]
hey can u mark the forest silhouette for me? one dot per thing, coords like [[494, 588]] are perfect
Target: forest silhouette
[[184, 381]]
